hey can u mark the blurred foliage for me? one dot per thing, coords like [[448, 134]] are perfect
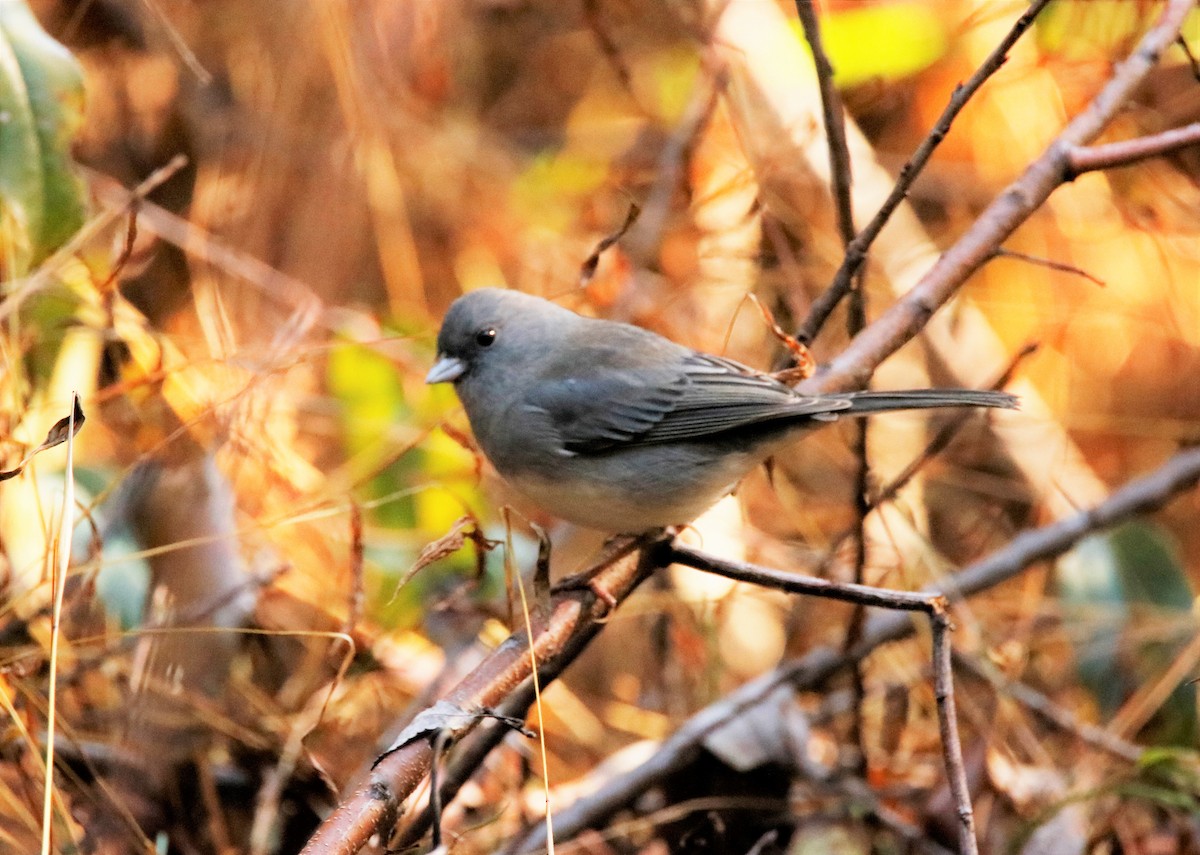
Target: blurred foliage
[[1132, 579], [887, 41], [252, 351], [41, 105]]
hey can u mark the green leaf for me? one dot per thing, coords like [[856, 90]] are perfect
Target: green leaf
[[368, 388], [42, 200]]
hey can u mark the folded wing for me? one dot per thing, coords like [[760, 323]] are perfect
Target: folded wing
[[697, 397]]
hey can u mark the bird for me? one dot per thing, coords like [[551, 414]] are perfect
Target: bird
[[616, 428]]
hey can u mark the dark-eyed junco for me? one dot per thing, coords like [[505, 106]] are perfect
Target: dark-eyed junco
[[618, 429]]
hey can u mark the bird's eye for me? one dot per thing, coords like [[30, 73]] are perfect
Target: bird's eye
[[485, 337]]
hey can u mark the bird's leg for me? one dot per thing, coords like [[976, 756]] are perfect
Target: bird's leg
[[614, 549], [541, 571]]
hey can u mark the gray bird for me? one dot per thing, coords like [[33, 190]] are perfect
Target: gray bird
[[616, 428]]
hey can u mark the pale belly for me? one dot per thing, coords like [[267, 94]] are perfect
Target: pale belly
[[632, 493]]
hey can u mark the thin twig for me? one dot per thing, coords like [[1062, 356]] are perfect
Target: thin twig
[[1060, 266], [609, 49], [797, 583], [933, 605], [943, 692], [1081, 159], [202, 74], [841, 177], [856, 252], [126, 248]]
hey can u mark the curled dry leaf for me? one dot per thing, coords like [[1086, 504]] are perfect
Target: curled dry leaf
[[465, 528], [588, 269], [449, 718], [57, 435], [804, 366]]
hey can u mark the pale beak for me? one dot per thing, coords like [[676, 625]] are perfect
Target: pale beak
[[446, 370]]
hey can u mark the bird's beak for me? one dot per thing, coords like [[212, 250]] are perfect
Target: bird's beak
[[446, 370]]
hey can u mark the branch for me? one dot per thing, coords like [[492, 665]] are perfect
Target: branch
[[835, 124], [797, 583], [1181, 472], [904, 320], [943, 693], [1127, 152], [572, 619], [933, 605], [841, 177]]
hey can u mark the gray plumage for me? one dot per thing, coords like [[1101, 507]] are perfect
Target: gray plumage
[[614, 427]]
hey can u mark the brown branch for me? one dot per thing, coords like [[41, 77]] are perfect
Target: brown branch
[[840, 173], [943, 692], [933, 605], [905, 319], [841, 178], [856, 251], [1181, 472], [797, 583], [573, 618], [1083, 159]]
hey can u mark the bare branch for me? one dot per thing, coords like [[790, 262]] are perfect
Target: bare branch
[[1127, 152], [797, 583], [835, 122], [943, 692], [841, 177]]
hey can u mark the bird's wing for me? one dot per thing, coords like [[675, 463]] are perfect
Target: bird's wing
[[697, 397]]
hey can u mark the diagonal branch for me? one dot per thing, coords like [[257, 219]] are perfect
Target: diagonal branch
[[573, 618], [1127, 152]]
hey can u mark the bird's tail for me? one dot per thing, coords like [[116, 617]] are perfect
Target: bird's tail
[[923, 399]]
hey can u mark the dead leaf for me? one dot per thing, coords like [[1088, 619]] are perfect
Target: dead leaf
[[805, 366], [57, 435], [447, 545], [588, 269], [448, 718]]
